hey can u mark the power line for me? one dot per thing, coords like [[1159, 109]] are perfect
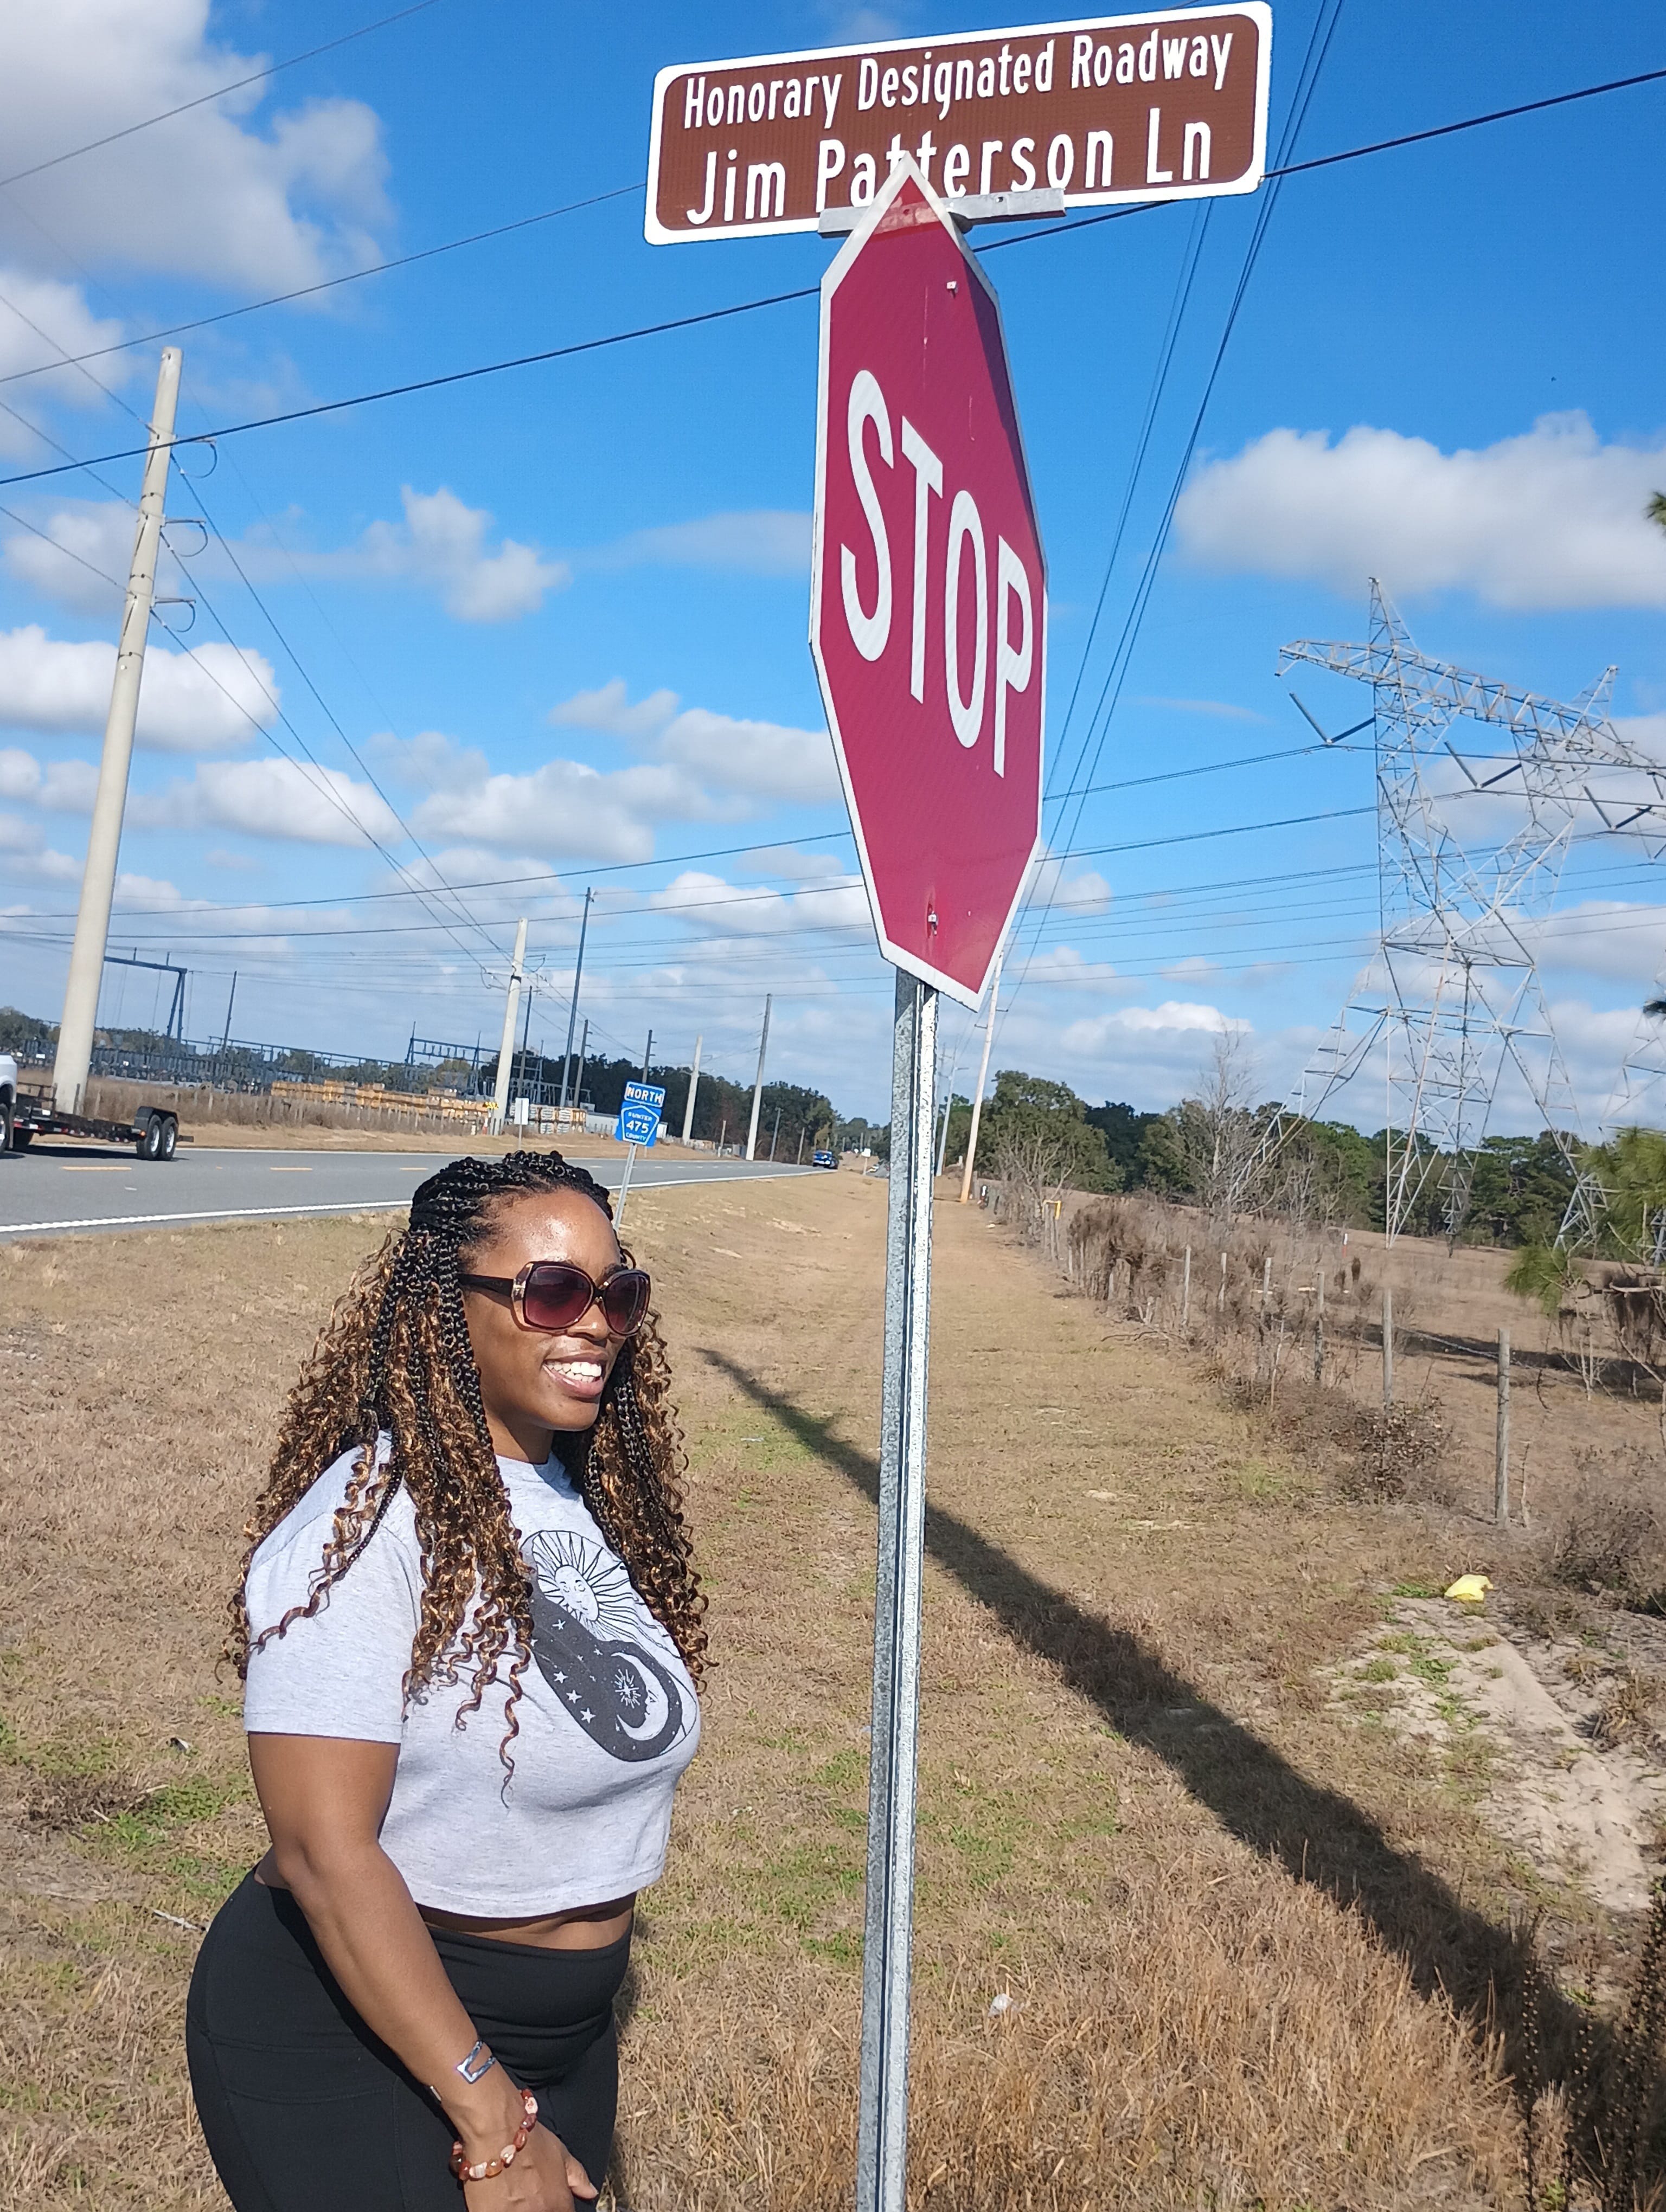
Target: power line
[[438, 383], [325, 284], [1352, 153], [1110, 691], [742, 307], [256, 76], [324, 786]]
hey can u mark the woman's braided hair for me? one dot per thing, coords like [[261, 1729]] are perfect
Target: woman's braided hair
[[394, 1358]]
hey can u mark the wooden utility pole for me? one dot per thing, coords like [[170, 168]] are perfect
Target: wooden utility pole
[[1501, 1452]]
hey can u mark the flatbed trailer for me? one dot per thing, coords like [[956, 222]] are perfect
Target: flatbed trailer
[[153, 1132]]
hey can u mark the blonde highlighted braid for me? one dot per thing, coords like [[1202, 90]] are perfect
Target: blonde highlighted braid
[[394, 1358]]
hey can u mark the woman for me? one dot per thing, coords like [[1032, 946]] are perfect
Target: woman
[[470, 1635]]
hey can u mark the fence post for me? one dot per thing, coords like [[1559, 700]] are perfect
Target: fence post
[[1319, 1327], [1266, 1283], [1220, 1295], [1186, 1288], [1501, 1459], [1388, 1345]]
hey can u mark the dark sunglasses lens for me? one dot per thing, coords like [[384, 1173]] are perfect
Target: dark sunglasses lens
[[555, 1295], [625, 1300]]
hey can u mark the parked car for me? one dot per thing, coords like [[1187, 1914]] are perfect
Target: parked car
[[823, 1159]]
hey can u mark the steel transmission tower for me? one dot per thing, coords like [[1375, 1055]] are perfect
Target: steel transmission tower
[[1452, 993]]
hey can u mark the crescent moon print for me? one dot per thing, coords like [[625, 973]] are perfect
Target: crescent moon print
[[618, 1693]]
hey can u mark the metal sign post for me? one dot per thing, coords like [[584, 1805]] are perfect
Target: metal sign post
[[928, 623], [638, 1124], [882, 2125]]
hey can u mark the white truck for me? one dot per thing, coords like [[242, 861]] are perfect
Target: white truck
[[26, 1113]]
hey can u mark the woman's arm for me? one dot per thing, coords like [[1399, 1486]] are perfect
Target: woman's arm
[[324, 1798]]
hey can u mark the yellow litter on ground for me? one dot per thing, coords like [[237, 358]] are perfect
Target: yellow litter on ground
[[1470, 1589]]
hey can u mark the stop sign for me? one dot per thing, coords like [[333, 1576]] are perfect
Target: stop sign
[[929, 593]]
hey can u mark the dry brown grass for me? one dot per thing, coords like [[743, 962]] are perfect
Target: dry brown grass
[[1253, 1949]]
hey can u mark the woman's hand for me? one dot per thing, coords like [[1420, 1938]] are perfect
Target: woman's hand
[[544, 2178]]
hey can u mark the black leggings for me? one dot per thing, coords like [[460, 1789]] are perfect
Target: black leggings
[[305, 2111]]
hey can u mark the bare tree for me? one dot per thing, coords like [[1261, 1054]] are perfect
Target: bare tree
[[1030, 1164], [1220, 1133]]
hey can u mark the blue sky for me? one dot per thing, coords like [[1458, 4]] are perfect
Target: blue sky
[[559, 614]]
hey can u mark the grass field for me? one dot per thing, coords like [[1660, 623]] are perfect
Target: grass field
[[1256, 1941]]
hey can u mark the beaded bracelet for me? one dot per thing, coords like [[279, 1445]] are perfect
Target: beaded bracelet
[[487, 2169]]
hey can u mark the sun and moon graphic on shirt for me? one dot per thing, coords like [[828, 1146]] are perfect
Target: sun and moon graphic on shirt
[[586, 1621]]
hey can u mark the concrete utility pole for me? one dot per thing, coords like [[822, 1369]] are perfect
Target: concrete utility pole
[[757, 1087], [584, 1054], [647, 1055], [573, 1010], [506, 1050], [694, 1084], [97, 878], [982, 1078]]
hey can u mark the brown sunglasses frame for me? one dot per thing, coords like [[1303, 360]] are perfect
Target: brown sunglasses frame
[[515, 1288]]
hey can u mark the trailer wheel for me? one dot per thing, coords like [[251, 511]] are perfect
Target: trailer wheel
[[170, 1137], [150, 1146], [7, 1137]]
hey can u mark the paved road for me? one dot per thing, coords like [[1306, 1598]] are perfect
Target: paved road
[[57, 1189]]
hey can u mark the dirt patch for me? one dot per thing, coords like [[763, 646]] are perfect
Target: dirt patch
[[1516, 1732]]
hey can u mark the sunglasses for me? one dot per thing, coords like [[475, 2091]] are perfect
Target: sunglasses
[[552, 1294]]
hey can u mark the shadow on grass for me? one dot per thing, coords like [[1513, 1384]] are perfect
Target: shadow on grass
[[1315, 1834]]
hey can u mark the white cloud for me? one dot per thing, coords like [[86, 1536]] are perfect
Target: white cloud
[[1085, 892], [200, 702], [1646, 731], [762, 760], [1095, 1033], [20, 773], [201, 195], [270, 799], [433, 759], [25, 856], [763, 542], [41, 320], [61, 787], [1554, 519], [439, 546], [567, 809], [1616, 939], [441, 543], [607, 710], [714, 907], [81, 537]]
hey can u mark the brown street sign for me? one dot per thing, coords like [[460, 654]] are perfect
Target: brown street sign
[[1170, 106]]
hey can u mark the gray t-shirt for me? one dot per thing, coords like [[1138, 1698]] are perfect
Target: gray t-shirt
[[608, 1715]]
